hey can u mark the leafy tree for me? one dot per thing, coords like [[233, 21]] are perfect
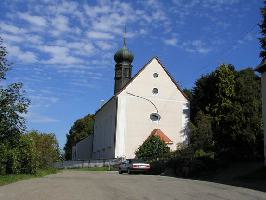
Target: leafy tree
[[13, 104], [80, 130], [47, 148], [152, 148], [263, 32], [201, 134], [16, 150], [231, 102]]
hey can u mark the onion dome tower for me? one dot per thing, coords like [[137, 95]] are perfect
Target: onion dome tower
[[123, 68]]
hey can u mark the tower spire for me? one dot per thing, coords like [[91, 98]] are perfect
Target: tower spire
[[124, 36], [123, 68]]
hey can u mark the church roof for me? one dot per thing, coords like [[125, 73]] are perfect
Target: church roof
[[161, 135]]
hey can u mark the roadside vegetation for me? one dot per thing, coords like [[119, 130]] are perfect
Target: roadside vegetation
[[11, 178], [23, 154]]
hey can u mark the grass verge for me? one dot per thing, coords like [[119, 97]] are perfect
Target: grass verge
[[7, 179]]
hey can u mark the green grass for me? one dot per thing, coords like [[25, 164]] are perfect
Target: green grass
[[95, 169], [7, 179]]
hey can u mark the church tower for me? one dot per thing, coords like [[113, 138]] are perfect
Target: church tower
[[123, 68]]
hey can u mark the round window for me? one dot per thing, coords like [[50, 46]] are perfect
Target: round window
[[155, 117], [155, 90], [155, 75]]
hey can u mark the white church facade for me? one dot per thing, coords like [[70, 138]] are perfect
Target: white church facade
[[151, 102]]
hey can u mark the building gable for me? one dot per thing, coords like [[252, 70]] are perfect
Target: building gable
[[152, 78]]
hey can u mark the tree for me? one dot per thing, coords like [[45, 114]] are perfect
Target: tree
[[47, 148], [201, 134], [13, 104], [230, 100], [263, 32], [152, 148], [16, 150], [81, 129]]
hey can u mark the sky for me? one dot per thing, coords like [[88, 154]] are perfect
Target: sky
[[62, 51]]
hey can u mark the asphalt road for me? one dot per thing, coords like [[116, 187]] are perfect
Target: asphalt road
[[76, 185]]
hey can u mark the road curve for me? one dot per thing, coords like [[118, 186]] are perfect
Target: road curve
[[76, 185]]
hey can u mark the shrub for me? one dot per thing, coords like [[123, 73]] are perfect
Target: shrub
[[152, 148], [27, 155]]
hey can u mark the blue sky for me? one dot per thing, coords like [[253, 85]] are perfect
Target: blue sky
[[63, 50]]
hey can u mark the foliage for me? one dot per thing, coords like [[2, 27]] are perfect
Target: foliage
[[13, 104], [263, 32], [80, 130], [47, 148], [27, 156], [152, 148], [19, 159], [7, 179], [226, 114], [201, 135], [19, 152]]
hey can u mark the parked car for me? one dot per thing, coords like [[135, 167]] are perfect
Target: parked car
[[134, 165]]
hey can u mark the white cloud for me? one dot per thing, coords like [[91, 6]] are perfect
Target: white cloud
[[22, 56], [60, 22], [33, 19], [11, 28], [104, 45], [38, 118], [171, 42], [59, 55], [197, 46], [99, 35], [9, 38]]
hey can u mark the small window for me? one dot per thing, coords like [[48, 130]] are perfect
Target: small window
[[155, 75], [155, 90], [155, 117]]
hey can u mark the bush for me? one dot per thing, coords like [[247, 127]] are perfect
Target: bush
[[19, 159], [46, 147], [27, 155], [152, 148]]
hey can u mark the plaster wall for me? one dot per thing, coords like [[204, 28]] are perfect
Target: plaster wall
[[104, 131], [83, 149], [134, 112]]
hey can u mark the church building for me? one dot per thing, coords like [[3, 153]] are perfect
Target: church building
[[149, 103]]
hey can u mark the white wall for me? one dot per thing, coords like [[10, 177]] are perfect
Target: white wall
[[263, 83], [104, 131], [134, 112]]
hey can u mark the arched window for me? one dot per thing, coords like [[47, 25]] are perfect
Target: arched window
[[155, 117]]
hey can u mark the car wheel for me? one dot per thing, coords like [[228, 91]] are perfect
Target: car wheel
[[120, 171], [128, 171]]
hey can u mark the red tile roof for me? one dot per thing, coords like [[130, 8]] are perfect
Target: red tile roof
[[163, 137]]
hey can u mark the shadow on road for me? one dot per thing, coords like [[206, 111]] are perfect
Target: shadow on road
[[247, 175]]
